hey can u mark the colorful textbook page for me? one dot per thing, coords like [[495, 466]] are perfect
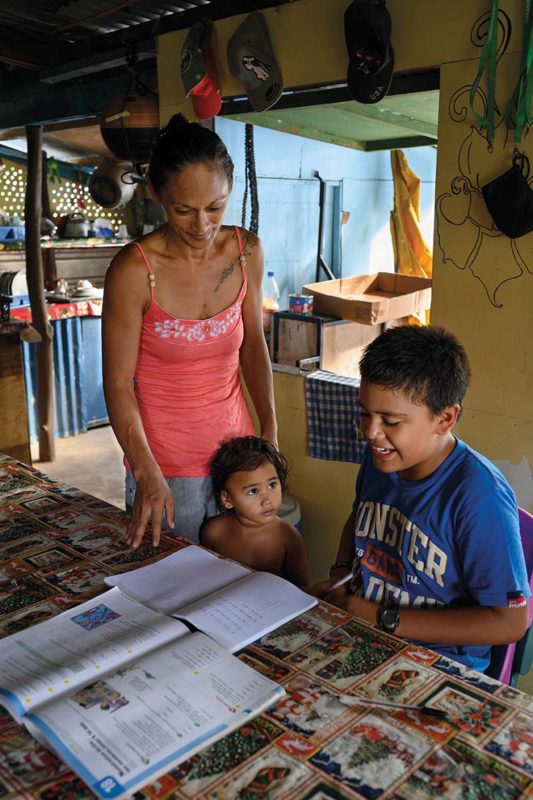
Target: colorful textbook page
[[219, 597], [123, 693]]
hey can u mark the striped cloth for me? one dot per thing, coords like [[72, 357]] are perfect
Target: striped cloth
[[332, 417]]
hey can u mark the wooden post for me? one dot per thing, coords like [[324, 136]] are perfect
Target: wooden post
[[47, 254], [35, 280]]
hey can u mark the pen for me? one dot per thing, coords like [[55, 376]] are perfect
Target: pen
[[349, 700], [338, 583]]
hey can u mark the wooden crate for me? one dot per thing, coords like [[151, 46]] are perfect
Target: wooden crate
[[313, 341]]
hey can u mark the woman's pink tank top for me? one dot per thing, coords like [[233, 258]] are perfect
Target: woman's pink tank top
[[188, 385]]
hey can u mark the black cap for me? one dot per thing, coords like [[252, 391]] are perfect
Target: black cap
[[251, 62], [367, 29]]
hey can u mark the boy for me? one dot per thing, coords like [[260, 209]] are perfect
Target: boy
[[434, 527], [249, 476]]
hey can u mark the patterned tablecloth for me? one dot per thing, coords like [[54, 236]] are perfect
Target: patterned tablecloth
[[57, 544], [55, 311]]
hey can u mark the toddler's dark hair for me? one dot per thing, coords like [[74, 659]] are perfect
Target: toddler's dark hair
[[243, 454], [426, 362], [181, 143]]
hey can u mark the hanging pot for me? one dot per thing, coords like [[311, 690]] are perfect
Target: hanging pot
[[110, 185], [129, 124]]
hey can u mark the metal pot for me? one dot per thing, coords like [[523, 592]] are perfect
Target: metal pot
[[111, 185], [76, 227]]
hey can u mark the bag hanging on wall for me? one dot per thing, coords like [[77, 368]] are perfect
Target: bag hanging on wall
[[509, 199]]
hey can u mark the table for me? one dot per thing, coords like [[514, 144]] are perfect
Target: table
[[57, 544]]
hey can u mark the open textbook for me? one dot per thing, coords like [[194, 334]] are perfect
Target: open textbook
[[122, 693]]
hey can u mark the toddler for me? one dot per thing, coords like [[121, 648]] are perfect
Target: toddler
[[249, 476]]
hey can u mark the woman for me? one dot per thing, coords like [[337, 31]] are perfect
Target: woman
[[182, 312]]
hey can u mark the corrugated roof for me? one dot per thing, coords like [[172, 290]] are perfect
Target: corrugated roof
[[37, 34]]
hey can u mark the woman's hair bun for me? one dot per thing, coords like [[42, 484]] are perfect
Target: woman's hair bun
[[176, 121], [181, 143]]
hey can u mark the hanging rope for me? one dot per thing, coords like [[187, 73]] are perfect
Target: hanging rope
[[250, 181], [488, 59], [518, 114]]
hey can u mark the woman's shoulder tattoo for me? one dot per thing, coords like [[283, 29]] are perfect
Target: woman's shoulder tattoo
[[249, 243]]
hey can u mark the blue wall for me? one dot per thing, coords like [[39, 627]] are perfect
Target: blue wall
[[289, 195]]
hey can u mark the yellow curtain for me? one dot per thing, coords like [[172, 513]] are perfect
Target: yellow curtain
[[412, 256]]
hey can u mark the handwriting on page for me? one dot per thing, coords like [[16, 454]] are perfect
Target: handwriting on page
[[233, 615], [247, 609]]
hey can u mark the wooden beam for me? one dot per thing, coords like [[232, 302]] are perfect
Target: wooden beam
[[35, 280], [110, 59]]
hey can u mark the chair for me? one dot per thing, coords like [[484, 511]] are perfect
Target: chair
[[509, 661]]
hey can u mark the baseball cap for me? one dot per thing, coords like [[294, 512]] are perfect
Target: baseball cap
[[252, 62], [367, 29], [199, 70]]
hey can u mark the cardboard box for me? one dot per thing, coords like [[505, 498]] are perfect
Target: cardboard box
[[371, 299]]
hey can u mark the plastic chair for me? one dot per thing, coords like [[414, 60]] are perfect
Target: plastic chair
[[509, 661]]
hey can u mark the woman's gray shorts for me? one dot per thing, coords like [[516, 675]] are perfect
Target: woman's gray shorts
[[194, 502]]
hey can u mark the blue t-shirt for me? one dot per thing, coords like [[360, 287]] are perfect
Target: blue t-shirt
[[451, 539]]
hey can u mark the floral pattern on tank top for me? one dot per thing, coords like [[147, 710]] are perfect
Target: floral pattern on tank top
[[201, 329]]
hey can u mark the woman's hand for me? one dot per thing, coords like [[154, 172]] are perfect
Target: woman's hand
[[152, 499]]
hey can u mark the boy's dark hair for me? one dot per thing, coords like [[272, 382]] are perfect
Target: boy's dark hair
[[181, 143], [426, 362], [243, 454]]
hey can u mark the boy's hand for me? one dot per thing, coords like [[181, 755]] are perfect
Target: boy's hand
[[337, 597], [322, 588], [319, 589]]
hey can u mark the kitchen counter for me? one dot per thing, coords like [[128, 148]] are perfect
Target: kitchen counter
[[76, 259]]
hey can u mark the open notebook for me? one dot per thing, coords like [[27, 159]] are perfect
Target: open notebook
[[229, 602]]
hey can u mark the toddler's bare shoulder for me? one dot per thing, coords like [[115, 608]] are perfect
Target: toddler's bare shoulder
[[289, 532], [214, 529]]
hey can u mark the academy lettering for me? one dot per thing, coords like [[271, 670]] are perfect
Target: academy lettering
[[380, 591]]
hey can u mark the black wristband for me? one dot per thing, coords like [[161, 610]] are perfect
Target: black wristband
[[340, 565], [388, 619]]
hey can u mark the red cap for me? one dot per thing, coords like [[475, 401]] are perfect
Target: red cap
[[198, 67], [205, 96]]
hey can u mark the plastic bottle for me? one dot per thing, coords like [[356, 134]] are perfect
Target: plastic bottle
[[270, 300]]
